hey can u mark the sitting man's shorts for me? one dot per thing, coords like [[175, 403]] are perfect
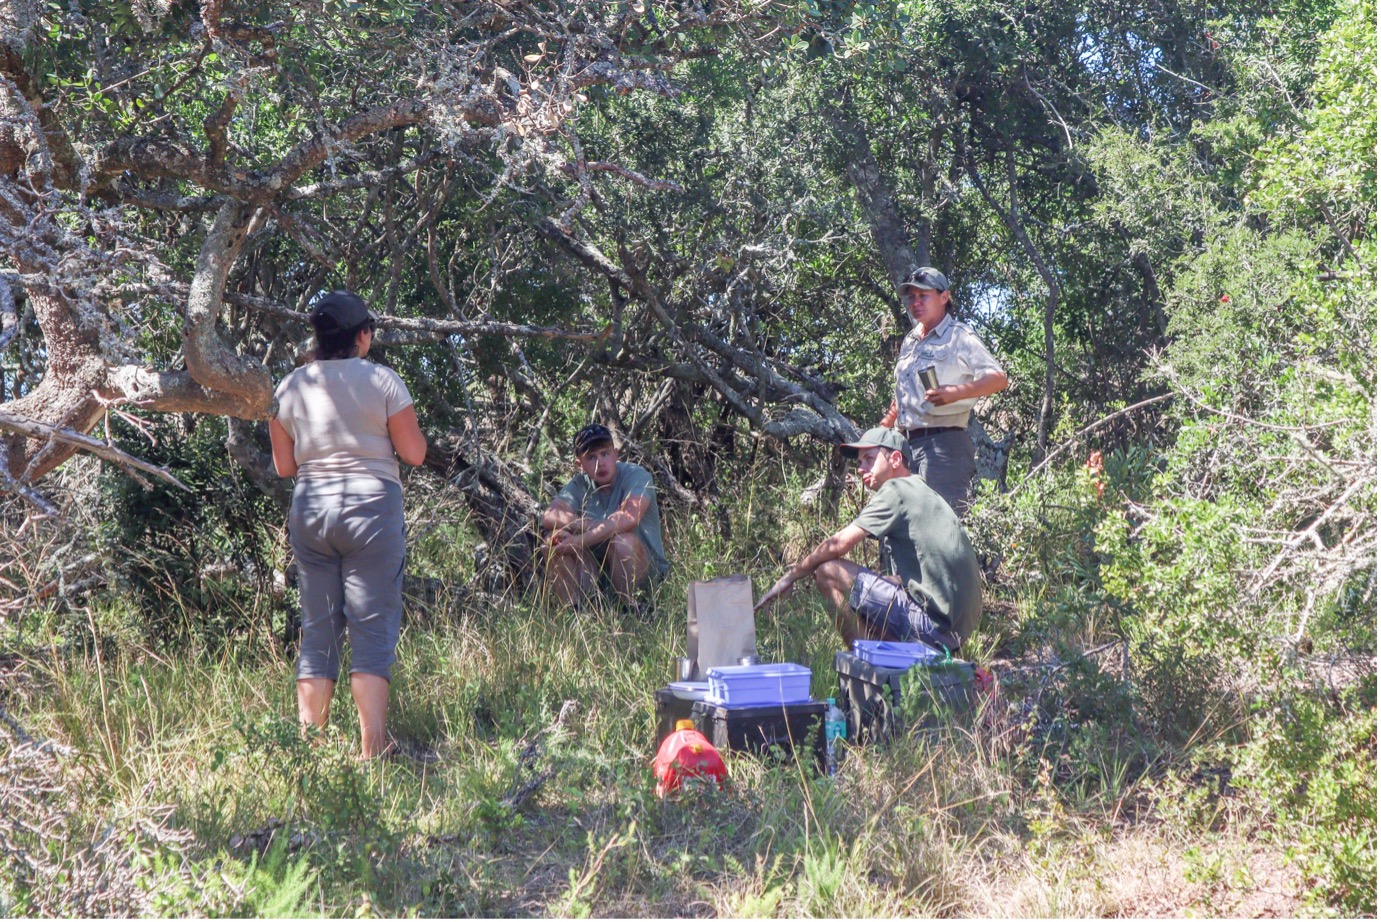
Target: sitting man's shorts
[[890, 609]]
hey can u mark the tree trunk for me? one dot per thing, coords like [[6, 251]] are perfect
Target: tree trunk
[[506, 512], [1011, 216], [67, 397], [689, 457], [877, 201]]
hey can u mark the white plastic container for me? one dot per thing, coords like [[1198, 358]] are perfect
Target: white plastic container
[[888, 654], [765, 683]]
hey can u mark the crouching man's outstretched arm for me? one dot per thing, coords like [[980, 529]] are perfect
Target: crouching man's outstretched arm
[[821, 563]]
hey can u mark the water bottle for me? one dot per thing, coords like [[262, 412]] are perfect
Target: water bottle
[[836, 730]]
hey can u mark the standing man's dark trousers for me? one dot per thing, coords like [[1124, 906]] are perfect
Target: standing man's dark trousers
[[944, 459]]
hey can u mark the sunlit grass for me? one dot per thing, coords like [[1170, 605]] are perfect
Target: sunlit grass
[[523, 785]]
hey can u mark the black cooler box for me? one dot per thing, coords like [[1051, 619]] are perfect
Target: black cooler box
[[872, 696], [758, 728], [670, 709]]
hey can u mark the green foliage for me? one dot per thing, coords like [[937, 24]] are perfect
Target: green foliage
[[1310, 769], [824, 868], [1316, 168], [328, 783], [198, 564], [277, 887]]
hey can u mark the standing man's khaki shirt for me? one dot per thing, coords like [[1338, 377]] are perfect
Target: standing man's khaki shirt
[[958, 356]]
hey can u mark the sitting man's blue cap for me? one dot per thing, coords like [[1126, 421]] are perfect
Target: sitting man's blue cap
[[877, 437], [592, 435], [340, 310], [926, 279]]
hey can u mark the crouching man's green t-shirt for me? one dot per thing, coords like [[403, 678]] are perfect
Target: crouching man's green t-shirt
[[928, 550], [581, 495]]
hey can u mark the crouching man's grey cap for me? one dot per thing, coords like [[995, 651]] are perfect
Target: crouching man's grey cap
[[877, 437], [926, 278]]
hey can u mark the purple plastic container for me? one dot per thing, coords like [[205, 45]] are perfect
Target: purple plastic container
[[888, 654], [765, 683]]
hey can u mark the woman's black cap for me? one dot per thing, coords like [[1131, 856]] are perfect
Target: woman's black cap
[[589, 437], [340, 310]]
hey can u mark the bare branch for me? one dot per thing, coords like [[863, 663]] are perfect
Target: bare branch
[[106, 452], [245, 383], [1079, 436], [600, 166], [69, 166], [9, 317], [217, 125], [435, 328]]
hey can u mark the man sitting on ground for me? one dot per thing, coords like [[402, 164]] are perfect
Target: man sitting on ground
[[605, 530], [934, 593]]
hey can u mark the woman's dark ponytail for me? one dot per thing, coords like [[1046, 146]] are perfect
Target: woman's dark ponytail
[[339, 344]]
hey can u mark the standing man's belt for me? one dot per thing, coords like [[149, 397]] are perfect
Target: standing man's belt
[[931, 430]]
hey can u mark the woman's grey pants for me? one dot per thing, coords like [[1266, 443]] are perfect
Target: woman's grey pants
[[945, 461], [347, 536]]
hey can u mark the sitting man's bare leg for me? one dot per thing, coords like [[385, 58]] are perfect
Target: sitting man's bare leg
[[835, 580], [628, 563], [572, 577]]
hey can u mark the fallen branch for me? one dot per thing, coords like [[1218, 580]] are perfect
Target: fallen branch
[[106, 452]]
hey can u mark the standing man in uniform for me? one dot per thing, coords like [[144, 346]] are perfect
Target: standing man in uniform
[[934, 593], [604, 528], [942, 371]]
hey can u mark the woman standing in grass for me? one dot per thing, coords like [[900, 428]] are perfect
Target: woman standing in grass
[[340, 426]]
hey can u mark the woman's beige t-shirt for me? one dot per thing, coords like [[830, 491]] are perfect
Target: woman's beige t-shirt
[[337, 413]]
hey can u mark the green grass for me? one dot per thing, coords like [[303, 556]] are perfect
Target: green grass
[[214, 738], [187, 774]]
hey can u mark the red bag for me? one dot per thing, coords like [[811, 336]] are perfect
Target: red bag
[[686, 754]]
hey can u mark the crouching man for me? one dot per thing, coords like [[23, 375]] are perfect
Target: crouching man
[[604, 531], [933, 594]]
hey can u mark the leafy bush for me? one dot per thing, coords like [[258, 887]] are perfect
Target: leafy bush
[[1310, 770], [199, 564]]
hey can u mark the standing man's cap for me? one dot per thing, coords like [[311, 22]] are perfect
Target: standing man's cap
[[591, 436], [877, 437], [340, 310], [926, 279]]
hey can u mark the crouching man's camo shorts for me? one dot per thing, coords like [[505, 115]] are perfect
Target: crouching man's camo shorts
[[895, 614]]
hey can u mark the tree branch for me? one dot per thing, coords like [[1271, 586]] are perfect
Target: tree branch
[[245, 384], [436, 328], [106, 452]]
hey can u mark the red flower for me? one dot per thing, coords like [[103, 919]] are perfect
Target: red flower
[[1225, 298], [1094, 466]]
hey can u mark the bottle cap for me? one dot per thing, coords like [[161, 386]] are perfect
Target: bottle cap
[[830, 702], [685, 725]]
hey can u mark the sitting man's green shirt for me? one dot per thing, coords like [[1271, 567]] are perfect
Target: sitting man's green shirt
[[928, 549], [630, 480]]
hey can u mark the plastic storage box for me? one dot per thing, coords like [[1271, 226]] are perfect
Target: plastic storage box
[[767, 730], [888, 654], [871, 696], [768, 683]]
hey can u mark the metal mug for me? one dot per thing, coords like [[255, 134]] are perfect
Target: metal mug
[[748, 661], [685, 669]]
